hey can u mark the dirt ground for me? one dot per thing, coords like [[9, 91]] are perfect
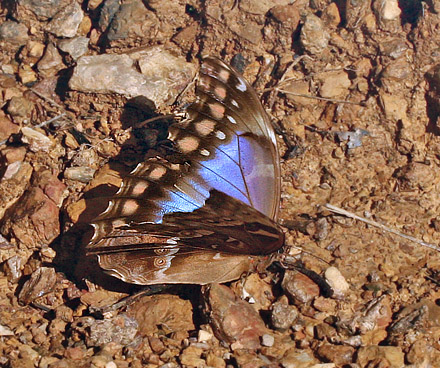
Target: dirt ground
[[353, 89]]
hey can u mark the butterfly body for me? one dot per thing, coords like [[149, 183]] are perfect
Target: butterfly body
[[210, 217]]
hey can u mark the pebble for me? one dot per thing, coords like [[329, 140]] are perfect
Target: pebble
[[283, 315], [35, 49], [314, 35], [299, 287], [335, 85], [233, 319], [36, 140], [288, 15], [108, 11], [20, 106], [338, 354], [331, 16], [389, 356], [26, 74], [132, 20], [150, 312], [204, 336], [51, 60], [394, 106], [75, 47], [7, 127], [389, 9], [13, 33], [5, 331], [66, 22], [267, 340], [337, 282], [82, 174]]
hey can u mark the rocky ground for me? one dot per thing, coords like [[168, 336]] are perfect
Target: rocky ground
[[354, 86]]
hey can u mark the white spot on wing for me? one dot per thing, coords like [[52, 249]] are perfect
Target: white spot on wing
[[231, 119], [204, 152], [220, 135], [235, 103], [241, 86]]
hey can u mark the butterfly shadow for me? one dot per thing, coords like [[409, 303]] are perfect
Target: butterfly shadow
[[147, 139]]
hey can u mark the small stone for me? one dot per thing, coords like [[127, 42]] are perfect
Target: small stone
[[66, 22], [20, 106], [26, 74], [75, 47], [191, 357], [51, 59], [215, 361], [13, 32], [337, 282], [283, 315], [331, 16], [131, 21], [338, 354], [35, 49], [82, 174], [288, 15], [389, 9], [387, 356], [335, 84], [260, 7], [74, 353], [151, 311], [204, 336], [314, 36], [108, 11], [5, 331], [233, 320], [267, 340], [37, 141], [7, 127], [299, 287], [394, 106]]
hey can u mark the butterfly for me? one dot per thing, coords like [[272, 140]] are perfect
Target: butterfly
[[209, 216]]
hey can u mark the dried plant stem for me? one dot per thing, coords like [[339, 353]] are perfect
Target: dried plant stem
[[380, 226]]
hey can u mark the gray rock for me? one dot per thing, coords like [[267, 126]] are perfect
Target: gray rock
[[108, 11], [43, 9], [165, 76], [75, 47], [13, 32], [132, 20], [314, 37], [66, 22]]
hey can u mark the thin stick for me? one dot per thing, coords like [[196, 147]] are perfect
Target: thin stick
[[55, 118], [45, 98], [380, 226]]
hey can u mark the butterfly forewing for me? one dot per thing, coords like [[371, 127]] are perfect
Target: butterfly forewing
[[203, 219]]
